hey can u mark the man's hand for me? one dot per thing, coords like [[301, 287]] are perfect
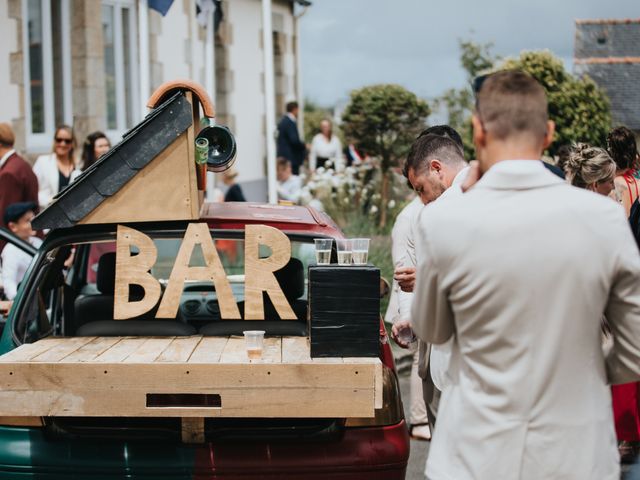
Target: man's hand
[[473, 176], [406, 278], [402, 333]]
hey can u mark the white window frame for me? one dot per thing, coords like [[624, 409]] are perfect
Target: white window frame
[[121, 115], [41, 142]]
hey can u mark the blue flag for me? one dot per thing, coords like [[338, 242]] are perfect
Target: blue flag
[[161, 6]]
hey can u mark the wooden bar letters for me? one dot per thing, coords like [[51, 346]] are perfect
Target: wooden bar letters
[[259, 273]]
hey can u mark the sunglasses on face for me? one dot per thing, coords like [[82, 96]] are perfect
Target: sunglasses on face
[[66, 141]]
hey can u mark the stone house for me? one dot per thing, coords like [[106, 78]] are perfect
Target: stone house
[[609, 52], [93, 64]]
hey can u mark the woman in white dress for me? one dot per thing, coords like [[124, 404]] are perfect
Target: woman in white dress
[[326, 149], [56, 170]]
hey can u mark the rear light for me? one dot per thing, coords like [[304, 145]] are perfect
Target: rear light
[[21, 422], [391, 412]]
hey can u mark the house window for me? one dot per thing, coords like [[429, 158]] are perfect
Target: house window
[[47, 65], [120, 54]]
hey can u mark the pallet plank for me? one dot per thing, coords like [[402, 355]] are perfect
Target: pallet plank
[[64, 348], [295, 350], [208, 350], [29, 350], [91, 350], [150, 350], [179, 350], [121, 350]]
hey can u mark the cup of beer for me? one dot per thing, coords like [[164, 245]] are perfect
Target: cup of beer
[[254, 340]]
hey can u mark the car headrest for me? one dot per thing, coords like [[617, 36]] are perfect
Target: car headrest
[[106, 275], [291, 279]]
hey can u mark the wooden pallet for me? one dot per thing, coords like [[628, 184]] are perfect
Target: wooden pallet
[[189, 377]]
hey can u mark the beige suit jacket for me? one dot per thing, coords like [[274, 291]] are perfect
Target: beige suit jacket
[[521, 270]]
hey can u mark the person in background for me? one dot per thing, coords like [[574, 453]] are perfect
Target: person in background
[[234, 191], [399, 309], [289, 185], [96, 145], [18, 183], [14, 261], [56, 170], [622, 147], [289, 144], [590, 168], [326, 149]]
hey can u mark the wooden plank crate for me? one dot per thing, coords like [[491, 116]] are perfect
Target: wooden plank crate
[[184, 377]]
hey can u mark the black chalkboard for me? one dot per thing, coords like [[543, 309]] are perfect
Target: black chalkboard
[[344, 311]]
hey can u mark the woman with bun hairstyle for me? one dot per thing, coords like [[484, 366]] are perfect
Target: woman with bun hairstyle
[[96, 145], [590, 168], [57, 169], [622, 147]]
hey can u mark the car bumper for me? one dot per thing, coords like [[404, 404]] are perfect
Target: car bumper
[[372, 453]]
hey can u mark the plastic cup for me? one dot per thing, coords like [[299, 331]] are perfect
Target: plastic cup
[[323, 250], [406, 335], [345, 249], [254, 340], [360, 252]]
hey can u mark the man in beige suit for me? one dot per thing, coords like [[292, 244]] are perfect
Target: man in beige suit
[[520, 270]]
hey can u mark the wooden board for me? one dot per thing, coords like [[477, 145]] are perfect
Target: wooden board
[[97, 376], [163, 190]]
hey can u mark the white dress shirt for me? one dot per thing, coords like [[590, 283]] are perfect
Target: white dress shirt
[[6, 156], [14, 265], [290, 189], [331, 149]]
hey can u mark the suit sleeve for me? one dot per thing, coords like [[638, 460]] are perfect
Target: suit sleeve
[[294, 137], [431, 314], [623, 313]]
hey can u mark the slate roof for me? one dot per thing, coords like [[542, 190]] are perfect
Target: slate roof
[[138, 147], [609, 52]]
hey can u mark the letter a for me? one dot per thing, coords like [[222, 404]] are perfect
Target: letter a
[[198, 233], [134, 270], [258, 272]]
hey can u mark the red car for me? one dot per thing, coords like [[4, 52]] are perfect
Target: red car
[[54, 301]]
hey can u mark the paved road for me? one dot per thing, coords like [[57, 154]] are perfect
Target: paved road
[[419, 449]]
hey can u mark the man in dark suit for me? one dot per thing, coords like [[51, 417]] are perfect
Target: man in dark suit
[[289, 144], [18, 183]]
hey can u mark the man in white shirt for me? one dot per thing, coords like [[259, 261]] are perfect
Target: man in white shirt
[[14, 261], [434, 164], [289, 185]]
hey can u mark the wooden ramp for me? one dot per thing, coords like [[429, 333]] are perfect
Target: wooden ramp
[[184, 377]]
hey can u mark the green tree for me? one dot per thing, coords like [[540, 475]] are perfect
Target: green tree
[[383, 120], [577, 105]]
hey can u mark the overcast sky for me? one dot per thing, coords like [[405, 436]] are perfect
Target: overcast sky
[[346, 44]]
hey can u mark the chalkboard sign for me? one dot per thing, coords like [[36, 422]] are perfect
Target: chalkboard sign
[[344, 311]]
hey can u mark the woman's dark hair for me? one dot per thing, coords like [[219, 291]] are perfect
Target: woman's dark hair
[[621, 144], [88, 149]]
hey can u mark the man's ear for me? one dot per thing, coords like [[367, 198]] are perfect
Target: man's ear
[[13, 226], [548, 137], [435, 166], [479, 134]]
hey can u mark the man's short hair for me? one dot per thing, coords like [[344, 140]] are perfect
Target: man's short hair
[[7, 138], [291, 106], [444, 131], [431, 147], [512, 103], [282, 162]]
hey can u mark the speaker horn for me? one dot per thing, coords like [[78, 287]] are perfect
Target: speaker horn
[[222, 147]]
